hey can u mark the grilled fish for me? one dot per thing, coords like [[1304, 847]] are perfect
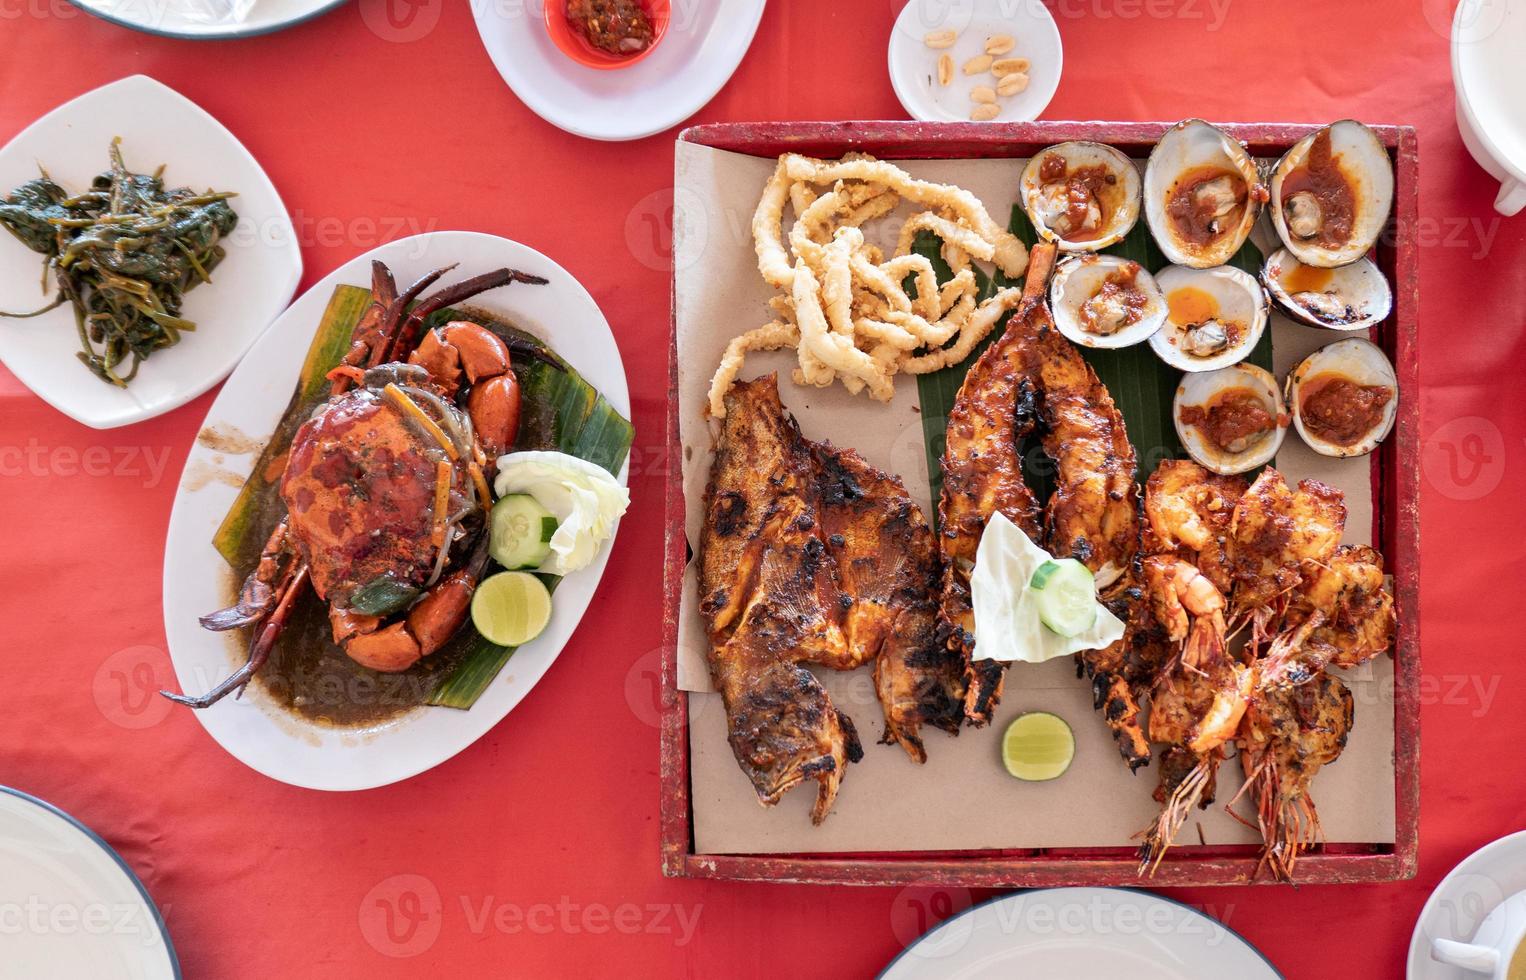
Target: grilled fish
[[809, 555], [887, 565]]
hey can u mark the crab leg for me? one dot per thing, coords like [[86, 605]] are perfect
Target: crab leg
[[256, 596], [465, 289], [259, 650]]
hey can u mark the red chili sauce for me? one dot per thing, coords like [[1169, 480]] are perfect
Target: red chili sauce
[[1082, 186], [1231, 419], [1120, 287], [1192, 216], [1321, 176], [618, 26], [1339, 410]]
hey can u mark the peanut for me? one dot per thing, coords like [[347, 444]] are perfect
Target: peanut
[[1012, 84], [938, 40], [985, 111], [978, 64], [1009, 66], [982, 93], [945, 69], [1000, 44]]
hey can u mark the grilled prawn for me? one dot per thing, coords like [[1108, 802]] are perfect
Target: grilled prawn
[[1198, 703], [1289, 733]]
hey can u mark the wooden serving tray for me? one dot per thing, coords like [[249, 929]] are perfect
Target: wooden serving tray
[[1395, 475]]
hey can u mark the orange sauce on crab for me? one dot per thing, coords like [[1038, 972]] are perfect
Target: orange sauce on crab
[[1189, 305]]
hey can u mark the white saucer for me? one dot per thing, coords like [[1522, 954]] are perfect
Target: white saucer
[[1080, 933], [704, 44], [75, 909], [914, 66], [1463, 899]]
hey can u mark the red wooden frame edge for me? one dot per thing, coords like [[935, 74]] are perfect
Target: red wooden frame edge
[[1398, 495]]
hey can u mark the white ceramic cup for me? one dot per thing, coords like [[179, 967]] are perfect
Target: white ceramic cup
[[1489, 952], [1489, 74]]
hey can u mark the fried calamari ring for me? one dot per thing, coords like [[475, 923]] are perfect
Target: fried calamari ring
[[770, 336], [954, 236], [973, 332], [1011, 256], [768, 230], [834, 350]]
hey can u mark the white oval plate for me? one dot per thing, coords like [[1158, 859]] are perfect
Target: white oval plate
[[250, 288], [1463, 899], [704, 44], [76, 908], [1080, 932], [914, 66], [261, 735], [203, 20]]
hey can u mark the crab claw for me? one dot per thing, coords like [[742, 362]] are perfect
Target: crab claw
[[494, 410]]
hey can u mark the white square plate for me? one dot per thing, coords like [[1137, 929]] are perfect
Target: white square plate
[[248, 290]]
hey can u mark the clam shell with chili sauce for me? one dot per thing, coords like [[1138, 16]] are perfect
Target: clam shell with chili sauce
[[1359, 362], [1350, 297], [1100, 214], [1105, 301], [1331, 194], [1202, 194], [1208, 390], [1214, 317]]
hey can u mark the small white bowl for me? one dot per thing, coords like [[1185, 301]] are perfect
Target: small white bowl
[[914, 65], [1488, 74]]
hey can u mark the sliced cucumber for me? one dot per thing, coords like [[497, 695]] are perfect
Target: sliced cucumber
[[521, 531], [1066, 594]]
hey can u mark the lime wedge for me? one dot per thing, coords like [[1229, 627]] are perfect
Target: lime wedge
[[1037, 746], [511, 608]]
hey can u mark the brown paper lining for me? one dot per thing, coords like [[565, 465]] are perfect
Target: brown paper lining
[[962, 798]]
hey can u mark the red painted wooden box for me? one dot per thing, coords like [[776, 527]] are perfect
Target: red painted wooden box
[[1395, 474]]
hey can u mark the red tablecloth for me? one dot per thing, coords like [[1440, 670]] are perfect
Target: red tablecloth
[[540, 841]]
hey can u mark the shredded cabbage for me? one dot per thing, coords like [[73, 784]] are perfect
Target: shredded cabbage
[[583, 497], [1007, 625]]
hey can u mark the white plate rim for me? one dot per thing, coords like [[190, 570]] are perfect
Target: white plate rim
[[479, 721], [74, 823], [517, 79], [285, 246], [213, 32], [1026, 892], [1419, 943]]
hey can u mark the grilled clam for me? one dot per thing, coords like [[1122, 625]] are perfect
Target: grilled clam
[[1344, 398], [1214, 317], [1230, 420], [1331, 194], [1082, 196], [1202, 194], [1105, 301], [1350, 297]]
